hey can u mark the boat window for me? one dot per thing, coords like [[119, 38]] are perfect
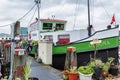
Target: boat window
[[59, 27], [47, 26]]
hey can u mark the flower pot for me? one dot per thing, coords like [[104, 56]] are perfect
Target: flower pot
[[97, 73], [73, 76], [113, 71], [85, 76]]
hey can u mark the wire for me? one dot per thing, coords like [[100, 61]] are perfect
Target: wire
[[32, 16], [6, 24], [19, 18], [26, 13]]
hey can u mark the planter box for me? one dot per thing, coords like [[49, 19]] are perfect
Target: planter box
[[97, 73], [113, 71]]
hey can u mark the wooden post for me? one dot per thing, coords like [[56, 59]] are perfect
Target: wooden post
[[71, 58]]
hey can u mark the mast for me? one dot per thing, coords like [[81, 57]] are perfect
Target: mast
[[88, 5]]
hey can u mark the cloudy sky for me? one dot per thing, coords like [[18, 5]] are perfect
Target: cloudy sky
[[74, 11]]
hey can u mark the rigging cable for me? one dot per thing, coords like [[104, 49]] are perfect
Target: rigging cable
[[104, 9], [19, 18], [75, 14], [92, 11]]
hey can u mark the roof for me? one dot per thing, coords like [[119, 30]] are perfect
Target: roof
[[23, 30], [4, 35], [51, 20]]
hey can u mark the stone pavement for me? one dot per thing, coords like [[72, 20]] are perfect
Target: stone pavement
[[44, 72]]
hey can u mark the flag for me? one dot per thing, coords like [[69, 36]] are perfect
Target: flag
[[113, 19]]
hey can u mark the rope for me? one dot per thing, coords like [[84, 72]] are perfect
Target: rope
[[104, 8], [75, 14]]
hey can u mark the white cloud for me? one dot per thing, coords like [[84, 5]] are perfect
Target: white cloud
[[59, 11], [11, 10]]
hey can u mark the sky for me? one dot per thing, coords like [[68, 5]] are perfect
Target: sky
[[74, 11]]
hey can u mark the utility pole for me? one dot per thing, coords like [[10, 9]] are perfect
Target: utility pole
[[38, 22], [12, 52], [15, 30]]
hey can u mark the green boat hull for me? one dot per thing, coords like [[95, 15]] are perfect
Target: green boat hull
[[86, 46], [83, 58], [85, 51]]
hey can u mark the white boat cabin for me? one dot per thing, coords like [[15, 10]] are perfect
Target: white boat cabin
[[54, 30]]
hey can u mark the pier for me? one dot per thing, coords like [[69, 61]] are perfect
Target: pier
[[44, 72]]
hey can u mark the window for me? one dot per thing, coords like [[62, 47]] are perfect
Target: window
[[60, 26], [47, 26]]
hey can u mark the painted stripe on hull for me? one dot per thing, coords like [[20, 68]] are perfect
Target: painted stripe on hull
[[85, 46]]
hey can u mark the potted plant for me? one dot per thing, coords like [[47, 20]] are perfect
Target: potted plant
[[65, 74], [105, 70], [110, 77], [85, 72], [97, 65], [73, 73], [27, 70], [106, 67], [113, 69]]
